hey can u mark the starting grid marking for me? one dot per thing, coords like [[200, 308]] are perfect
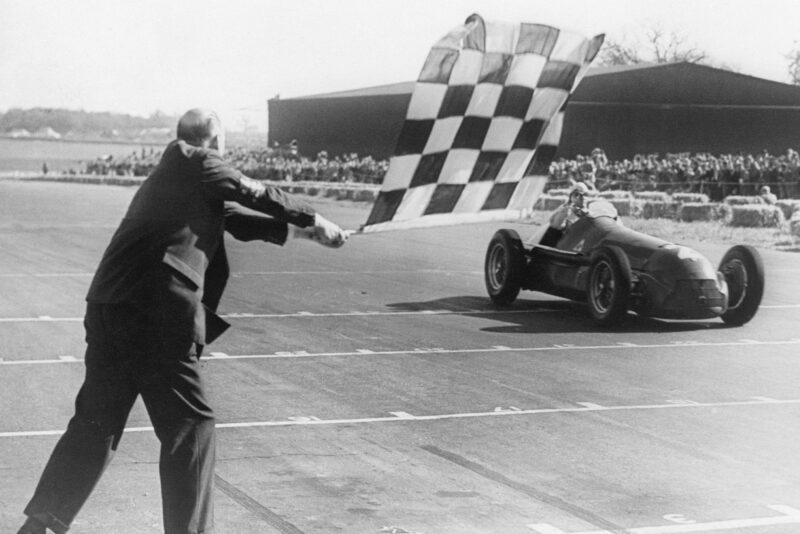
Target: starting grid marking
[[221, 356], [367, 313], [788, 515], [401, 416]]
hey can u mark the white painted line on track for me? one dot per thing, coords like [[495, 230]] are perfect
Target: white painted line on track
[[307, 314], [406, 417], [788, 516], [590, 405], [383, 271], [267, 273], [439, 350], [352, 313], [43, 275], [41, 319]]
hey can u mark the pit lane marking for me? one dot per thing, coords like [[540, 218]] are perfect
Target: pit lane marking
[[439, 350], [788, 516], [401, 416]]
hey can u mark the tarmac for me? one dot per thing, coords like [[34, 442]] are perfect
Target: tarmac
[[375, 389]]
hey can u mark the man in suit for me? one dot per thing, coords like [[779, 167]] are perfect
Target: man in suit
[[150, 310]]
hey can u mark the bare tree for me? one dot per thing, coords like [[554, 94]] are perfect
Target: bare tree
[[618, 53], [793, 57], [652, 44]]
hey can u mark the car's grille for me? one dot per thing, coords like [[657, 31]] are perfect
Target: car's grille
[[702, 291]]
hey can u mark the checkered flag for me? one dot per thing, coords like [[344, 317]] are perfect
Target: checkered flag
[[482, 126]]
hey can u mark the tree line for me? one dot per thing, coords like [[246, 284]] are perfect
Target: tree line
[[82, 123]]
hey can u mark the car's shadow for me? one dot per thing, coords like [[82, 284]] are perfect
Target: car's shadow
[[529, 316]]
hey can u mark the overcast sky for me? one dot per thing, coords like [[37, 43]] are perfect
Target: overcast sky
[[139, 56]]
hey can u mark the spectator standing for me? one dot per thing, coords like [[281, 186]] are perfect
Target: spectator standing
[[767, 195]]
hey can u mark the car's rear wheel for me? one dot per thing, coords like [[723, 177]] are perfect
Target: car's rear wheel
[[609, 286], [504, 268], [743, 270]]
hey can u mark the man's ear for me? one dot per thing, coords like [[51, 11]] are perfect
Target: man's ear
[[218, 143]]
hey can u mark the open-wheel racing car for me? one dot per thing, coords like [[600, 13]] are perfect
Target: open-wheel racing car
[[614, 269]]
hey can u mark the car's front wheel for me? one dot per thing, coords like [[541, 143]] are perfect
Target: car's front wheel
[[609, 286], [743, 270], [504, 267]]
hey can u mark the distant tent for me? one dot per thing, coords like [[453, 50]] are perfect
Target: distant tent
[[155, 132], [47, 133], [19, 132]]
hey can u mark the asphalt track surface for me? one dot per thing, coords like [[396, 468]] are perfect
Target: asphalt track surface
[[374, 389]]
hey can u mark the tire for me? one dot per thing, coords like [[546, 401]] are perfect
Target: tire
[[743, 270], [504, 267], [609, 286]]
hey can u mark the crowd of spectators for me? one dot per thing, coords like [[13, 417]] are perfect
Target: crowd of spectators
[[134, 164], [716, 176], [279, 164], [286, 165]]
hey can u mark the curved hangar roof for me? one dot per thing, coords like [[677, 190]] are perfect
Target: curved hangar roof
[[630, 109]]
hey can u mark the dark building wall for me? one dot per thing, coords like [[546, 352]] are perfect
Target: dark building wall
[[666, 108], [367, 125], [625, 130], [684, 83]]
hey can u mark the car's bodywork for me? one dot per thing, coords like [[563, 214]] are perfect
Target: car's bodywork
[[616, 269]]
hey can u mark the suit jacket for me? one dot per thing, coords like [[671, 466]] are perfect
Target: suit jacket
[[168, 252]]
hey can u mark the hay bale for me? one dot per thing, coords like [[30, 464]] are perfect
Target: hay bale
[[548, 202], [613, 195], [652, 196], [701, 198], [558, 192], [752, 216], [659, 209], [789, 207], [794, 224], [742, 200], [366, 195], [703, 211], [627, 207], [344, 193]]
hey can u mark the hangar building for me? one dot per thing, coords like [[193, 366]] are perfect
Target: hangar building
[[626, 110]]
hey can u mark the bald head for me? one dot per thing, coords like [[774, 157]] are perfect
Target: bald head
[[201, 127]]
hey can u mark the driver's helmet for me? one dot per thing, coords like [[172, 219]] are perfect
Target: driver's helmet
[[577, 194]]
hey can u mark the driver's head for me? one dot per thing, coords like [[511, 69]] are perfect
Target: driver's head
[[576, 196], [202, 127]]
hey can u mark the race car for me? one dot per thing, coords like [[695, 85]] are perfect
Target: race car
[[614, 269]]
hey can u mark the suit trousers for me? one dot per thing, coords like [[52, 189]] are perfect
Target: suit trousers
[[134, 350]]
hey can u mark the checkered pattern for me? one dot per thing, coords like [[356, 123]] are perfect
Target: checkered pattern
[[483, 124]]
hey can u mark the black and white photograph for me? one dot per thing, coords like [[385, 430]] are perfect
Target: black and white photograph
[[399, 267]]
